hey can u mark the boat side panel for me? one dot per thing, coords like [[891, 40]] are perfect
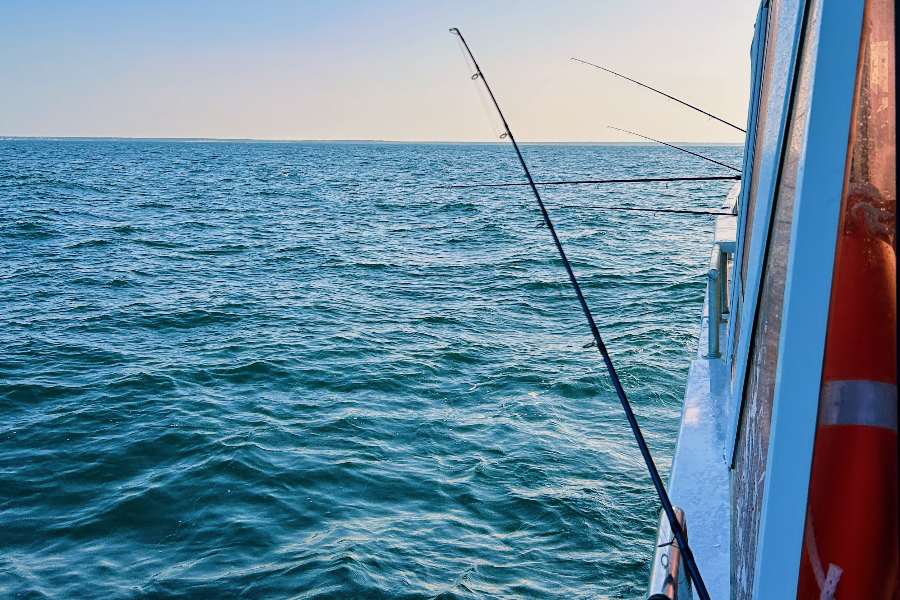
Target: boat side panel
[[807, 295], [748, 481]]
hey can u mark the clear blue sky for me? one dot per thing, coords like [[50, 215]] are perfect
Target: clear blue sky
[[274, 69]]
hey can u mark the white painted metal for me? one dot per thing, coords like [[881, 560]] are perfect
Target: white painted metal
[[726, 233], [713, 293], [699, 482], [717, 286]]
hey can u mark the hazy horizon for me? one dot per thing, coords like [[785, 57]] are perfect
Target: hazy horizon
[[57, 138], [391, 71]]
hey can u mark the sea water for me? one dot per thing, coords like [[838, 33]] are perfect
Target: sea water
[[302, 370]]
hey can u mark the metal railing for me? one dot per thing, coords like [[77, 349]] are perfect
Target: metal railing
[[666, 576], [724, 246], [717, 287]]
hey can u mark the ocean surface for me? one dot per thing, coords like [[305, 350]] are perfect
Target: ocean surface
[[299, 370]]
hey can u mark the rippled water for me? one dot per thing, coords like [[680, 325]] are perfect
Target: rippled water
[[237, 370]]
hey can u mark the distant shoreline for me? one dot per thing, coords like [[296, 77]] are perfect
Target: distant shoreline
[[253, 141]]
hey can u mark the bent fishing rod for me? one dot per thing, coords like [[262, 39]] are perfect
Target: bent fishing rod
[[662, 93], [677, 148], [592, 181], [688, 556]]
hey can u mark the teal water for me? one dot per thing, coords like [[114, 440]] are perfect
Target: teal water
[[236, 370]]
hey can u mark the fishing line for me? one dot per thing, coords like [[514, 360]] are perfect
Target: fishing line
[[687, 555], [546, 81], [662, 93], [592, 181], [485, 103], [677, 148]]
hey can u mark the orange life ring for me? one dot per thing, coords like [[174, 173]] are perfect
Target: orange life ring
[[850, 548]]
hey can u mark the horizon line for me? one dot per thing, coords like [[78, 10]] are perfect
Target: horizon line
[[51, 138]]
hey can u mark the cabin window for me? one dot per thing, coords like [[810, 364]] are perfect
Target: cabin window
[[751, 451], [762, 111], [750, 179]]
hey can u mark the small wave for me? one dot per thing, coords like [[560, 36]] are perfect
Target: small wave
[[90, 244], [196, 407]]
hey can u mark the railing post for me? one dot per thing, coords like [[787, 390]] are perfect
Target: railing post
[[714, 309], [665, 574], [723, 282]]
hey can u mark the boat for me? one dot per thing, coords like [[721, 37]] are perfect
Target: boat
[[785, 466]]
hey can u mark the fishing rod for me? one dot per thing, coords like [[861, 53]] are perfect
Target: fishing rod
[[677, 148], [663, 93], [654, 210], [587, 181], [688, 556]]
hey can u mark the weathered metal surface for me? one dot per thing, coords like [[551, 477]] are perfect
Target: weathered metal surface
[[699, 480]]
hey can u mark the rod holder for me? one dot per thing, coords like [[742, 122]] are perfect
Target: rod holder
[[666, 576]]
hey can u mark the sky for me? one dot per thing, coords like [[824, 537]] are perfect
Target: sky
[[390, 70]]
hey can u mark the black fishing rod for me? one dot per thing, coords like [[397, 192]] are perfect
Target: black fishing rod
[[688, 556], [589, 181], [663, 94], [652, 210], [677, 148]]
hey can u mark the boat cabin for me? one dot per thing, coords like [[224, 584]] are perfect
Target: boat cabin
[[786, 462]]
